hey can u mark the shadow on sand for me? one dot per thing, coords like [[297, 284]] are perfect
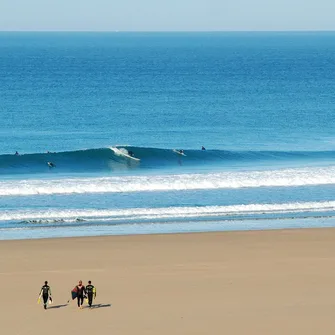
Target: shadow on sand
[[100, 306], [57, 306]]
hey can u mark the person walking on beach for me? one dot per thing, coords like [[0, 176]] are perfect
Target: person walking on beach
[[81, 291], [91, 292], [45, 293]]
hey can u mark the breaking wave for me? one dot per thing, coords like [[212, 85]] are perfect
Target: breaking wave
[[109, 159]]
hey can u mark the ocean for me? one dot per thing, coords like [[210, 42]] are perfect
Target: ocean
[[260, 103]]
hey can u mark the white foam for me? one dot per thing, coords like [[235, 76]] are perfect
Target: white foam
[[165, 212], [252, 179]]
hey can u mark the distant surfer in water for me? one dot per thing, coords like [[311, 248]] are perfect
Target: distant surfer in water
[[81, 291], [130, 153], [91, 293], [203, 148], [16, 153], [51, 165], [45, 293]]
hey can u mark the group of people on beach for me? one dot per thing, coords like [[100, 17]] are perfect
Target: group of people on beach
[[80, 292]]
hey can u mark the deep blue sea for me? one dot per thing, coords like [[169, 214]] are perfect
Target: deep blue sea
[[262, 104]]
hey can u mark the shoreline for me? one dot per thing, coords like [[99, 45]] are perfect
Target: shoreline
[[218, 232], [32, 233]]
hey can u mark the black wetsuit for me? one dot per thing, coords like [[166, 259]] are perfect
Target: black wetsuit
[[46, 292], [80, 295], [89, 290]]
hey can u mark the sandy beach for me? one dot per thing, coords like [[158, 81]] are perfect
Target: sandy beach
[[257, 282]]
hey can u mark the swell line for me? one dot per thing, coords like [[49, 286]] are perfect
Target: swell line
[[109, 159]]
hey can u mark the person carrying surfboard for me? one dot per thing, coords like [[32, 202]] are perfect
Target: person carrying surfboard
[[91, 293], [45, 293], [81, 292]]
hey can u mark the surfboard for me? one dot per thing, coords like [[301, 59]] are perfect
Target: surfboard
[[124, 153], [178, 152], [74, 293]]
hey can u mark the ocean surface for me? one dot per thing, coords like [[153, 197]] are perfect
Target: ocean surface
[[262, 105]]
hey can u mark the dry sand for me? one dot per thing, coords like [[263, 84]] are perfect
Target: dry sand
[[260, 282]]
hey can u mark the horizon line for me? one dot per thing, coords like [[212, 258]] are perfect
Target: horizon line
[[168, 31]]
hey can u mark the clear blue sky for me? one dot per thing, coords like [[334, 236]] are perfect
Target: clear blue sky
[[171, 15]]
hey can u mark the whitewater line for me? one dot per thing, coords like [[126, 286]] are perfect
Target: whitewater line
[[167, 212], [180, 182]]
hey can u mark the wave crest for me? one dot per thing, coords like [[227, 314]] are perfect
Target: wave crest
[[106, 159]]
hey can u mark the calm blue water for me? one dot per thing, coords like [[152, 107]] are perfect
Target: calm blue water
[[262, 104]]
